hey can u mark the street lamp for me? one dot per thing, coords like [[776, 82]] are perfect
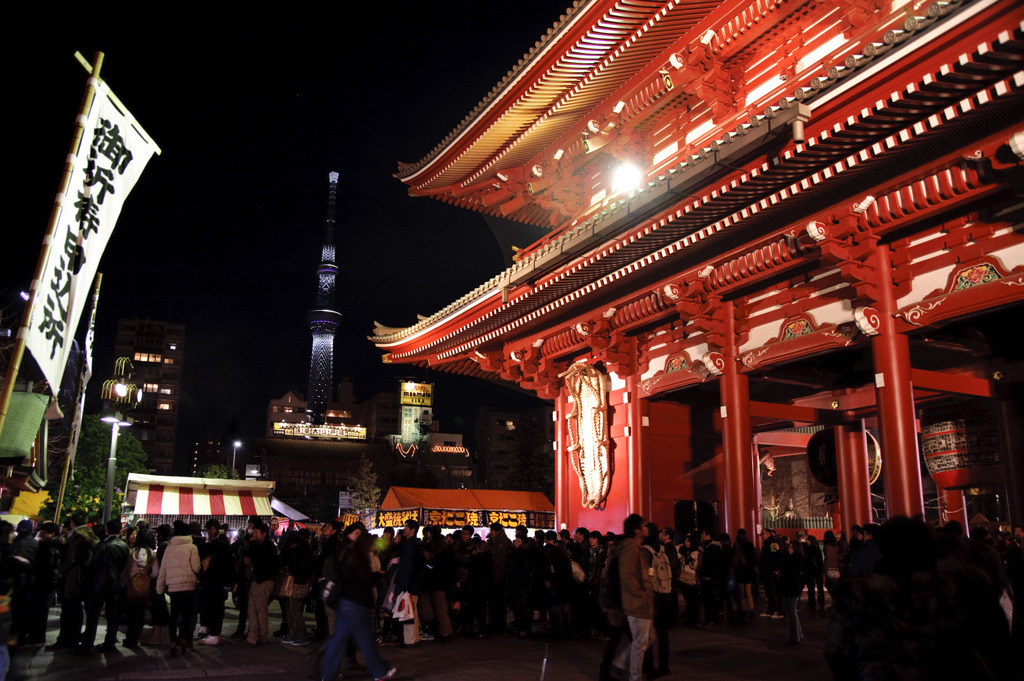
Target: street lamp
[[117, 421], [234, 453], [119, 395]]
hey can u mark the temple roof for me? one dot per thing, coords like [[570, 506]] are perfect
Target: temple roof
[[579, 62], [635, 231]]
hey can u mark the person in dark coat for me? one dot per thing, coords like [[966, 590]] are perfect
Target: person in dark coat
[[409, 578], [814, 573], [713, 571], [791, 585], [216, 578], [499, 546], [770, 563], [744, 568], [262, 560], [243, 576], [666, 605], [520, 582], [24, 549], [354, 610], [438, 582], [49, 555], [105, 589], [330, 534], [926, 611], [74, 572], [559, 583], [297, 556]]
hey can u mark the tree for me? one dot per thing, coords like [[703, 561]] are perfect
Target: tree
[[363, 486], [87, 487], [217, 471]]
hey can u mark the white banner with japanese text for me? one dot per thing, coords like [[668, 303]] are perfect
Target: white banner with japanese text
[[111, 156]]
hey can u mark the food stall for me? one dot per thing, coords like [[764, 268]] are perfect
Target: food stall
[[456, 508]]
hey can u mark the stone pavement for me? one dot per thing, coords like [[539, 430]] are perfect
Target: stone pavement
[[754, 650]]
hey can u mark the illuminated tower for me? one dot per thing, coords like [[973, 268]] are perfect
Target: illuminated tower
[[323, 321]]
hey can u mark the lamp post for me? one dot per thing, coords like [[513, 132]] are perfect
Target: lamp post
[[117, 421], [118, 394], [234, 453]]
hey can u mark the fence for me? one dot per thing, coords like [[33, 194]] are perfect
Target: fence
[[822, 522]]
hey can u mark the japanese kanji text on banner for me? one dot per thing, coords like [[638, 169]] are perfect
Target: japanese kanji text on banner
[[109, 160]]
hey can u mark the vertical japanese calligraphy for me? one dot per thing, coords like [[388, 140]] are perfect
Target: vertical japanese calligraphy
[[111, 156]]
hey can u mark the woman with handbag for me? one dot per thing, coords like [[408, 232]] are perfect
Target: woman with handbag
[[139, 579]]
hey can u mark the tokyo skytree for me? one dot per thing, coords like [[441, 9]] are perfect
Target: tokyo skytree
[[323, 321]]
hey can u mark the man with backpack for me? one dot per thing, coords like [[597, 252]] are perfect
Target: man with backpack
[[665, 603]]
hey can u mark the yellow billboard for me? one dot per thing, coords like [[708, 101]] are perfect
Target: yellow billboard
[[416, 394]]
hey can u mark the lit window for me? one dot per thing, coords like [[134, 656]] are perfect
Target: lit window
[[146, 357], [164, 405], [150, 387], [510, 425], [169, 360], [165, 391], [172, 346]]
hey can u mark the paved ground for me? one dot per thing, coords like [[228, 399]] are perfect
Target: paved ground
[[749, 651]]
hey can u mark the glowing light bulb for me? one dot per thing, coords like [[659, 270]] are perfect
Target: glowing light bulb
[[627, 177]]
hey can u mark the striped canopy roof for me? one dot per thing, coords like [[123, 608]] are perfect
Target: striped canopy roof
[[184, 496]]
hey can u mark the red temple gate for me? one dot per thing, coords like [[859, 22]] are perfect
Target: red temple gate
[[826, 231]]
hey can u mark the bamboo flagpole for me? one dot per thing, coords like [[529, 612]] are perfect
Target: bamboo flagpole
[[69, 165], [83, 381]]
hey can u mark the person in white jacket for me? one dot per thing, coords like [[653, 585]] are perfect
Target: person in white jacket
[[179, 575]]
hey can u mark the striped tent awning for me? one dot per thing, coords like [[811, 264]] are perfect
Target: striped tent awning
[[166, 495]]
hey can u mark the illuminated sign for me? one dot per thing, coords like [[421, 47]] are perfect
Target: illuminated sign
[[415, 394], [506, 518], [324, 432], [446, 518], [449, 449], [415, 421], [397, 518], [457, 519], [542, 520]]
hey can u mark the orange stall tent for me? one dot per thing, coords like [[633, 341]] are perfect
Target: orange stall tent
[[455, 508]]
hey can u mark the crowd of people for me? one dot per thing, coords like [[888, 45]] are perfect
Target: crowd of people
[[895, 592]]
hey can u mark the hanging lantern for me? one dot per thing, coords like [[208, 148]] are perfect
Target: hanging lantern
[[821, 457], [961, 447]]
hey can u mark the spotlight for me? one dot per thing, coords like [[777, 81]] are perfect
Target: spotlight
[[627, 177]]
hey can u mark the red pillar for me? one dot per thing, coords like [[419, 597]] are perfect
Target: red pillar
[[895, 397], [952, 506], [852, 462], [639, 466], [561, 459], [740, 495]]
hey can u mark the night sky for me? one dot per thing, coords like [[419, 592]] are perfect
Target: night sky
[[223, 230]]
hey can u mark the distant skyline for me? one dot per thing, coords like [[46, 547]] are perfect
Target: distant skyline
[[222, 232]]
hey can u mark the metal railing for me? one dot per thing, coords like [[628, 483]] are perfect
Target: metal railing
[[823, 522]]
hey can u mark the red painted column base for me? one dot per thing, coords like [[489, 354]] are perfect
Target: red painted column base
[[852, 462]]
